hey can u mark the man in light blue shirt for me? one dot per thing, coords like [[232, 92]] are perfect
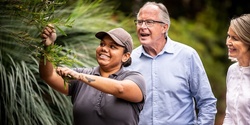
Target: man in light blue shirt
[[176, 81]]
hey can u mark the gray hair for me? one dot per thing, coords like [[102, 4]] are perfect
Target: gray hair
[[164, 15], [241, 26]]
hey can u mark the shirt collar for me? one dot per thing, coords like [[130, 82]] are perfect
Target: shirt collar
[[168, 48], [97, 72]]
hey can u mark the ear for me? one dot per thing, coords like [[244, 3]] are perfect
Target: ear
[[248, 47], [164, 28], [125, 56]]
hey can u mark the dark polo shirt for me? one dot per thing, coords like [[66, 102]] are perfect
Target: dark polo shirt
[[93, 107]]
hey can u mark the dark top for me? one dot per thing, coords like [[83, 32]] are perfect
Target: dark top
[[93, 107]]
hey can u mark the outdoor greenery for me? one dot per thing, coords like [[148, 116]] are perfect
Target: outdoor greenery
[[27, 100]]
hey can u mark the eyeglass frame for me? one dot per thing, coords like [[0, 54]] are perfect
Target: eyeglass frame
[[153, 22]]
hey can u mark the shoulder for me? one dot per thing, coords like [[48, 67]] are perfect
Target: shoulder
[[137, 51], [131, 73], [178, 47], [185, 48], [231, 72], [184, 52], [136, 77], [232, 67]]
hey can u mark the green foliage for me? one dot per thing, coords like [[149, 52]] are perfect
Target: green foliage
[[35, 15], [90, 17], [25, 98], [54, 54]]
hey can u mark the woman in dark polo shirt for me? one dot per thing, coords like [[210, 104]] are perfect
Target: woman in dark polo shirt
[[103, 95]]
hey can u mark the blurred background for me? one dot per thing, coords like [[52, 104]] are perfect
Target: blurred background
[[27, 100]]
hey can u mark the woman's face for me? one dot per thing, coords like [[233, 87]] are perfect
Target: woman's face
[[109, 54], [236, 48]]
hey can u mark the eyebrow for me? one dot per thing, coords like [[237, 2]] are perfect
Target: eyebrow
[[113, 43]]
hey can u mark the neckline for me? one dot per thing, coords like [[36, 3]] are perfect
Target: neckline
[[244, 69]]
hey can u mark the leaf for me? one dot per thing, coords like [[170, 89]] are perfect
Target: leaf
[[61, 31]]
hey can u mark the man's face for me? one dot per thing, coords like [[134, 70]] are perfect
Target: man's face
[[148, 32]]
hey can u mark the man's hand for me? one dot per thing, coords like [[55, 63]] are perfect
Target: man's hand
[[48, 35]]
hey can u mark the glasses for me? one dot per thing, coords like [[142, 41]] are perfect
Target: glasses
[[148, 23]]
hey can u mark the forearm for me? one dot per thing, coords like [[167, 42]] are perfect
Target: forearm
[[124, 89], [103, 84], [49, 75], [206, 119], [207, 112], [45, 68]]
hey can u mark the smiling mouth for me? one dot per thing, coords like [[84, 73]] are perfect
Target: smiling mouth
[[144, 34], [231, 49], [102, 56]]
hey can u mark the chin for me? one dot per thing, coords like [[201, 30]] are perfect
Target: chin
[[144, 42], [103, 63], [232, 58]]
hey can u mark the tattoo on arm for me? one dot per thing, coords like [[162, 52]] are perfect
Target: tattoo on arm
[[89, 79]]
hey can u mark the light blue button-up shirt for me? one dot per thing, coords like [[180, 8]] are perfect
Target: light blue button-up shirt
[[174, 79]]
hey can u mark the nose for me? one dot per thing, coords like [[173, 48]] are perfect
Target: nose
[[143, 25], [104, 48], [228, 42]]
